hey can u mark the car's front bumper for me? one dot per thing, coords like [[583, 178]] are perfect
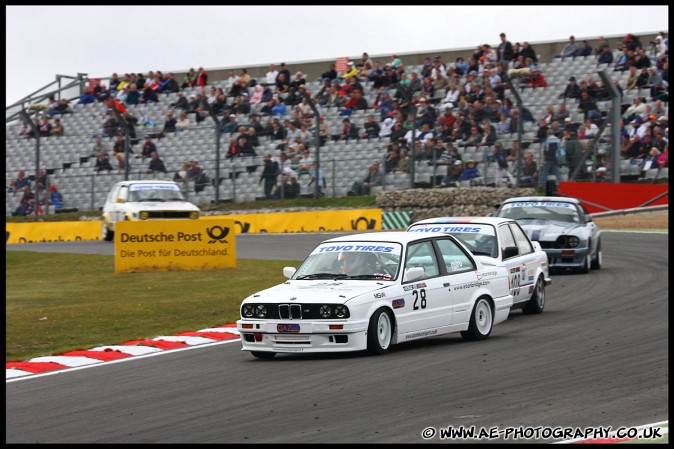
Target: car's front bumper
[[311, 336], [566, 258]]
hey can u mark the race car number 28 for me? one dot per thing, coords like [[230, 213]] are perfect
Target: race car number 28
[[419, 299]]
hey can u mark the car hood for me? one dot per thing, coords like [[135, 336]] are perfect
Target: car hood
[[550, 230], [317, 291], [161, 205]]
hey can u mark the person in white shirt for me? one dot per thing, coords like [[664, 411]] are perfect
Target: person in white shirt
[[183, 122], [272, 74]]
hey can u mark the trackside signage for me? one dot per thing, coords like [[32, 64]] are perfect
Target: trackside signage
[[174, 245]]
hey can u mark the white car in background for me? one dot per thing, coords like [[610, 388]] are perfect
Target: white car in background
[[500, 240], [145, 200], [370, 291], [562, 226]]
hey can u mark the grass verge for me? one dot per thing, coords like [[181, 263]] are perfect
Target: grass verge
[[61, 302]]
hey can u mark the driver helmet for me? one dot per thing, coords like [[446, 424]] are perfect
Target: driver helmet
[[347, 260]]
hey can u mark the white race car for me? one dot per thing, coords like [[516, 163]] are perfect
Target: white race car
[[500, 240], [562, 226], [145, 200], [370, 291]]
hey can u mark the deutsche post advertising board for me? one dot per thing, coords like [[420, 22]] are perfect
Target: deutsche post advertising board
[[174, 245]]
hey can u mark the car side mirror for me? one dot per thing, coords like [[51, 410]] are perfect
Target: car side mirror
[[509, 251], [588, 218], [289, 271], [412, 274]]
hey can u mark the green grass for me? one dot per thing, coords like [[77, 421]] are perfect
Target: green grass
[[61, 302], [354, 202]]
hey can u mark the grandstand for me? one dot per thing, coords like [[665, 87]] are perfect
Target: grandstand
[[70, 166]]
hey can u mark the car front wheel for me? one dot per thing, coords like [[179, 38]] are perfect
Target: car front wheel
[[537, 301], [106, 233], [379, 332], [596, 260], [481, 321]]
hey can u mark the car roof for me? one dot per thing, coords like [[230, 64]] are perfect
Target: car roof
[[565, 199], [146, 181], [480, 220], [393, 236]]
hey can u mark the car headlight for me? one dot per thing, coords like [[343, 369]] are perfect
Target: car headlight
[[325, 311], [144, 215], [247, 311], [260, 311], [341, 311], [568, 241], [194, 215]]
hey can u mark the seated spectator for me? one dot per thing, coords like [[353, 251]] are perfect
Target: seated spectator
[[57, 129], [470, 172], [373, 178], [349, 130], [169, 124], [536, 79], [404, 163], [102, 163], [63, 107], [22, 180], [55, 198], [584, 50], [663, 159], [45, 127], [291, 188], [569, 50], [371, 128], [27, 203], [330, 74], [133, 95], [181, 174], [529, 169], [183, 123], [572, 90], [180, 103], [156, 165], [605, 56], [197, 174], [148, 147], [87, 97]]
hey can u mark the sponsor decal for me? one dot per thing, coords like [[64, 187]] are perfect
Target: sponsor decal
[[471, 285], [135, 187], [541, 204], [453, 228], [398, 303], [485, 275], [288, 328], [357, 247], [408, 288], [379, 295], [421, 285], [421, 334], [456, 265]]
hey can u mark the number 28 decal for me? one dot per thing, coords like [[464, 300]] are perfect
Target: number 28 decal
[[419, 299]]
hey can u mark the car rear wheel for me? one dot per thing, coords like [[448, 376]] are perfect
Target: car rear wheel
[[106, 233], [481, 321], [263, 354], [596, 260], [379, 332], [537, 301]]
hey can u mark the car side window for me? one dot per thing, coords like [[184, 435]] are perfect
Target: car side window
[[455, 260], [523, 243], [421, 254], [506, 238]]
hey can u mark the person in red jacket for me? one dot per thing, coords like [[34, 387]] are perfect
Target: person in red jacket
[[536, 79], [202, 77]]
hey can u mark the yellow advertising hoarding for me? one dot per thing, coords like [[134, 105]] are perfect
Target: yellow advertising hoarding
[[309, 221], [56, 231], [174, 245]]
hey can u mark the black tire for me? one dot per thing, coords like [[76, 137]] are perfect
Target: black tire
[[537, 301], [263, 354], [106, 233], [596, 260], [481, 321], [379, 332]]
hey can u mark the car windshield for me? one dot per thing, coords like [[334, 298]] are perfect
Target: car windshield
[[540, 210], [479, 238], [352, 260], [155, 192]]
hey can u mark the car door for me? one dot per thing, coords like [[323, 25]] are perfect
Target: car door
[[427, 301], [461, 278], [528, 260], [514, 262]]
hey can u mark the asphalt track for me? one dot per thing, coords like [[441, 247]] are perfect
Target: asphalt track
[[597, 356]]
